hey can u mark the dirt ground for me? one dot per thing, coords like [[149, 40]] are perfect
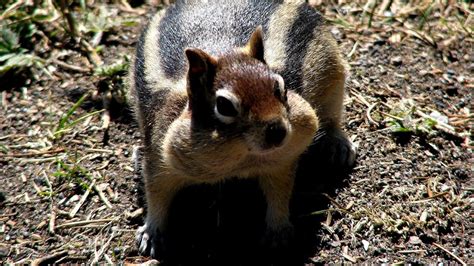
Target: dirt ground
[[70, 192]]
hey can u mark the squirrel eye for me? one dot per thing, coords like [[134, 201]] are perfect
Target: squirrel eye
[[225, 107]]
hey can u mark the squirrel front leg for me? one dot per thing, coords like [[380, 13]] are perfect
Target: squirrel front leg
[[277, 188], [160, 188]]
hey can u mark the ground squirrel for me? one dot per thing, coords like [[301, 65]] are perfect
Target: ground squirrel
[[227, 89]]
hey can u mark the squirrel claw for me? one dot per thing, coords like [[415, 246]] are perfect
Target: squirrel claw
[[147, 241]]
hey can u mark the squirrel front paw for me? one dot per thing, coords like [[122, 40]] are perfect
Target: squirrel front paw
[[335, 149], [280, 237], [148, 240]]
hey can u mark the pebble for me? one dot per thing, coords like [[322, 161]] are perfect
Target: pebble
[[439, 117], [365, 243], [116, 250], [414, 240]]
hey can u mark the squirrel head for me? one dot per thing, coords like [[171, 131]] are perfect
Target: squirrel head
[[238, 94]]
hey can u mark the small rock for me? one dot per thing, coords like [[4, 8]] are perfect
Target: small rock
[[424, 216], [414, 240], [116, 251], [439, 117], [388, 13], [396, 61], [365, 243]]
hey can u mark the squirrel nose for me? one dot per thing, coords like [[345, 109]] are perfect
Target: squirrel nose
[[275, 133]]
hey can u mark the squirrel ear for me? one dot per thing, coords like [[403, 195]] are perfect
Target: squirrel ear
[[201, 72], [254, 46], [199, 62]]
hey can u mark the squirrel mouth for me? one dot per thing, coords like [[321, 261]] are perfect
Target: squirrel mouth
[[265, 149]]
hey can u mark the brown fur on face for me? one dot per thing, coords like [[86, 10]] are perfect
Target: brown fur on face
[[254, 84]]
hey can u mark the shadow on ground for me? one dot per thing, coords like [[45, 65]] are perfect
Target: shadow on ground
[[223, 224]]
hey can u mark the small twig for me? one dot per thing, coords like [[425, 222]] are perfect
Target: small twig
[[99, 150], [394, 92], [52, 220], [69, 18], [47, 259], [329, 219], [20, 136], [450, 253], [108, 259], [3, 102], [98, 255], [441, 126], [48, 183], [385, 6], [127, 8], [369, 117], [11, 9], [80, 223], [371, 15], [422, 36], [40, 160], [428, 188], [354, 48], [102, 197], [32, 154], [411, 251], [92, 54], [432, 197], [83, 199], [360, 98], [70, 67], [333, 201], [389, 115], [8, 214], [38, 189], [71, 258], [349, 258]]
